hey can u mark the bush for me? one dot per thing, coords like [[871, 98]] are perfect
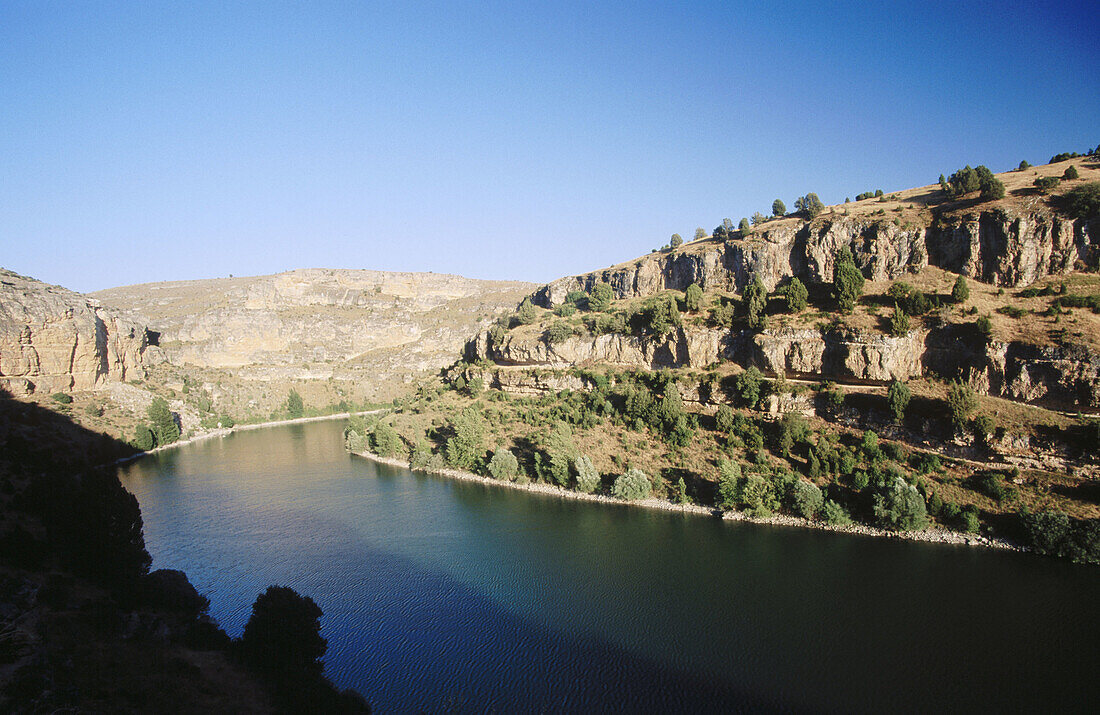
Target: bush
[[899, 323], [558, 332], [504, 465], [744, 226], [384, 440], [1056, 534], [897, 398], [693, 297], [756, 301], [847, 281], [700, 233], [806, 499], [1070, 173], [984, 326], [796, 295], [588, 479], [283, 636], [62, 398], [809, 205], [757, 495], [779, 208], [961, 401], [723, 419], [526, 313], [1083, 201], [835, 514], [1046, 184], [634, 484], [899, 506], [566, 310], [960, 293], [676, 241]]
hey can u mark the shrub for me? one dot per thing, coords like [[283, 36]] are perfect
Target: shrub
[[960, 292], [62, 398], [676, 241], [897, 398], [984, 326], [566, 310], [634, 484], [847, 281], [503, 465], [602, 295], [283, 635], [756, 301], [1046, 184], [1083, 201], [700, 233], [992, 485], [1070, 173], [693, 297], [961, 401], [729, 479], [757, 495], [558, 332], [723, 419], [899, 506], [796, 295], [749, 385], [806, 499], [835, 514], [1056, 534], [384, 440], [758, 218], [809, 205], [526, 313], [1023, 165], [588, 479], [899, 323], [744, 226], [779, 208]]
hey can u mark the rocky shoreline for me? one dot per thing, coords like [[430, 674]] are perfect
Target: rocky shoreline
[[931, 535]]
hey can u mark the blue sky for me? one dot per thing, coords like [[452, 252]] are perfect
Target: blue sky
[[151, 141]]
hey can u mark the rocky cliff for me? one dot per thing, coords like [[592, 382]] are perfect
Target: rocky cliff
[[1012, 244], [353, 326], [1063, 376], [52, 339]]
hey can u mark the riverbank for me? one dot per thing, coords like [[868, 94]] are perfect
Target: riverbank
[[226, 431], [931, 535]]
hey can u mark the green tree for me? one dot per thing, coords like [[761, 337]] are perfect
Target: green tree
[[526, 313], [162, 422], [561, 452], [1046, 184], [504, 465], [758, 218], [1023, 165], [700, 233], [693, 297], [634, 484], [847, 281], [806, 499], [744, 226], [464, 446], [729, 478], [1070, 173], [897, 397], [294, 406], [602, 295], [960, 293], [756, 301], [588, 478], [558, 332], [1084, 200], [899, 506], [384, 440], [676, 241], [797, 296], [809, 206], [779, 208], [899, 323], [723, 419], [749, 384], [144, 438], [727, 223], [961, 402], [283, 635]]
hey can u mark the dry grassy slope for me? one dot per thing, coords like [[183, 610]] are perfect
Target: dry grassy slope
[[331, 334]]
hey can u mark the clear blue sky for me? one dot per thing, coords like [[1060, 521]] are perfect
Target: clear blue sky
[[150, 141]]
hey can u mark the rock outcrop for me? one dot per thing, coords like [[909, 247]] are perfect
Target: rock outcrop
[[1003, 246], [1062, 376], [52, 339]]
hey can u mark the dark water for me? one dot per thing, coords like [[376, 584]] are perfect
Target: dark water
[[449, 596]]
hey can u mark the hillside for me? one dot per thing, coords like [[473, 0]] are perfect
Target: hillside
[[743, 370]]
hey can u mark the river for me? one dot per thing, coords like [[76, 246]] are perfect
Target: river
[[443, 595]]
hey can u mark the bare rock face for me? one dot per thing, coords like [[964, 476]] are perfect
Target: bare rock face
[[52, 339], [1010, 247]]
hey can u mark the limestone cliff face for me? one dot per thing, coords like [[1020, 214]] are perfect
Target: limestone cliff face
[[52, 339], [1003, 246], [316, 324], [1064, 376]]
